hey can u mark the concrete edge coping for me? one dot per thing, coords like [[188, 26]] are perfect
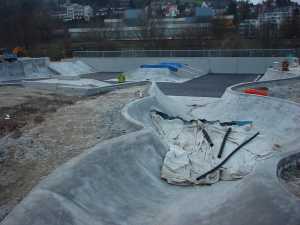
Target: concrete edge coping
[[233, 90]]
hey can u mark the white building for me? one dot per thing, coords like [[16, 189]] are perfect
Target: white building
[[248, 28], [77, 12], [276, 16], [88, 12]]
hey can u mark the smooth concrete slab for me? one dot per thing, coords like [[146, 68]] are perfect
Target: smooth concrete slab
[[211, 85], [77, 82], [80, 87], [101, 76]]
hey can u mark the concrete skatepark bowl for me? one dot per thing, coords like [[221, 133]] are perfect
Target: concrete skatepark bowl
[[118, 181]]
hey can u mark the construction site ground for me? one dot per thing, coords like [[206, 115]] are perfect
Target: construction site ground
[[40, 131]]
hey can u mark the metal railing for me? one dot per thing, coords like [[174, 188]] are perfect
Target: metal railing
[[190, 53]]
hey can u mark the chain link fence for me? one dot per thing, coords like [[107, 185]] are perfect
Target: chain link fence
[[190, 53]]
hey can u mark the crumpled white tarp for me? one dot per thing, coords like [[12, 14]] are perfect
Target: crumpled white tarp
[[191, 156]]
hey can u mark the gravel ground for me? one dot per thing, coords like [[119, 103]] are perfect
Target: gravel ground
[[65, 127]]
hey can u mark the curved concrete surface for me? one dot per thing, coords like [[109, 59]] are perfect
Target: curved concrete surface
[[275, 74], [118, 182], [73, 68], [284, 88], [165, 74]]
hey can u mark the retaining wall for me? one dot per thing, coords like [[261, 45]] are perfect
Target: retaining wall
[[25, 69], [236, 65]]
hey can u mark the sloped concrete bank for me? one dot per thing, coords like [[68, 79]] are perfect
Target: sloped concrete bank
[[80, 90], [275, 74], [118, 182], [40, 68], [285, 88]]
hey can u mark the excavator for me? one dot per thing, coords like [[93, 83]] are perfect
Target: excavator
[[6, 55], [19, 51]]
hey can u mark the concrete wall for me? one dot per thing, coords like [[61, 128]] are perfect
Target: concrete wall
[[238, 65], [25, 68], [11, 71]]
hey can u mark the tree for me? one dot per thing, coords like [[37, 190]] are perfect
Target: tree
[[152, 31], [24, 23], [282, 3], [244, 10], [232, 10], [290, 28], [218, 28], [268, 34]]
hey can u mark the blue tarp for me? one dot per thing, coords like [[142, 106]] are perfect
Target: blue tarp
[[168, 65], [177, 65]]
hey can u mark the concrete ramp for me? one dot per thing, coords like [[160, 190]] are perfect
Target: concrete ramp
[[181, 75], [37, 68], [72, 68], [11, 71], [276, 74], [25, 68], [153, 74]]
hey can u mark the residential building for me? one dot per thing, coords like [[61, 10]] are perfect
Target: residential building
[[124, 4], [113, 23], [134, 17], [170, 10], [88, 12], [204, 13], [248, 28], [154, 31], [78, 12], [276, 16], [103, 12]]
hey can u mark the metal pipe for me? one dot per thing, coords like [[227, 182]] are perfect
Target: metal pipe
[[207, 137], [224, 142], [228, 157]]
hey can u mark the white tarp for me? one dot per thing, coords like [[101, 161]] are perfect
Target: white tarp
[[190, 155]]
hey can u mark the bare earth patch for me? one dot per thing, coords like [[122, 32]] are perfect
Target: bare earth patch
[[40, 131]]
